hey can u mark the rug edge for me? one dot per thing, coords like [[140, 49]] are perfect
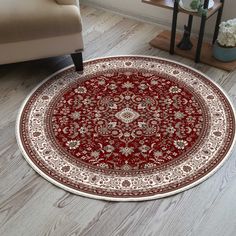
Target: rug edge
[[97, 197]]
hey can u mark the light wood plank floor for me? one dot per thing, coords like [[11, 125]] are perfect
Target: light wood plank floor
[[30, 206]]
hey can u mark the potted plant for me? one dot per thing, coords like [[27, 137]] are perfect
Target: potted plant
[[225, 47], [195, 6]]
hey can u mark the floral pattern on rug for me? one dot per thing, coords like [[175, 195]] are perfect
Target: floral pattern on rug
[[128, 128], [128, 120]]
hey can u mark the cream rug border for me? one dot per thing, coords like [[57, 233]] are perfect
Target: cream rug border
[[157, 196]]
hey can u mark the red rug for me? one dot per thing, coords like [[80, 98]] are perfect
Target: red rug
[[127, 129]]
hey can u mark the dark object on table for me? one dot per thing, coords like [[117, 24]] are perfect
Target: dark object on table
[[185, 43]]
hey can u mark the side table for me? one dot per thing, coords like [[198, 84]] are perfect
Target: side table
[[166, 40], [218, 7]]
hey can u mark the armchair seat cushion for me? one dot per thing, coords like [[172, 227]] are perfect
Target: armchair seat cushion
[[22, 20]]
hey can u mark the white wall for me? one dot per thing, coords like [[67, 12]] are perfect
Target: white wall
[[136, 8]]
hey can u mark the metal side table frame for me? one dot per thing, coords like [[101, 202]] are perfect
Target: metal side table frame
[[202, 27]]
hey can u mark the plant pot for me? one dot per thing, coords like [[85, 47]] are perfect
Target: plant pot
[[185, 4], [224, 54]]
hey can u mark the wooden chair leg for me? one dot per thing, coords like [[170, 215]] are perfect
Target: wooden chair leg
[[78, 61]]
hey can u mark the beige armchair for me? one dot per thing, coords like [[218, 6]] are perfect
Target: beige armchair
[[33, 29]]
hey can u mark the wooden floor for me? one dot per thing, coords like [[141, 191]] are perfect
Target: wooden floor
[[31, 206]]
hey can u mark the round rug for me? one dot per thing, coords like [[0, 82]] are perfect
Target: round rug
[[129, 128]]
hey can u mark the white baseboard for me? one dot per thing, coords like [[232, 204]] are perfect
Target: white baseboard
[[127, 14], [162, 21]]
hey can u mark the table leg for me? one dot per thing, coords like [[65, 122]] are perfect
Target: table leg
[[200, 39], [190, 22], [173, 29], [218, 20]]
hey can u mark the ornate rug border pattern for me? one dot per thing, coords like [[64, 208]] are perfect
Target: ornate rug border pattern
[[120, 198]]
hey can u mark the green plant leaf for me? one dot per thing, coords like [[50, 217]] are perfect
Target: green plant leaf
[[195, 4]]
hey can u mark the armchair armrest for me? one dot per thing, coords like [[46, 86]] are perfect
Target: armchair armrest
[[67, 2]]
